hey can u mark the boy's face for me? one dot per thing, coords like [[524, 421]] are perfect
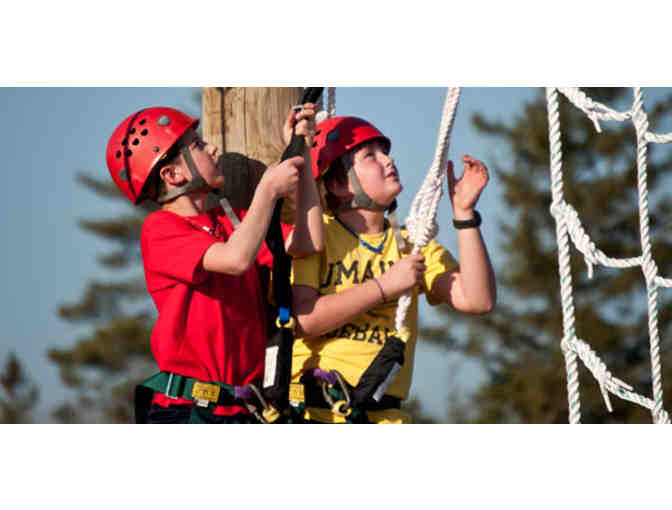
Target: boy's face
[[206, 160], [376, 172]]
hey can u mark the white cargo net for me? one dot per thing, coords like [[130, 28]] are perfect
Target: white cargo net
[[568, 226]]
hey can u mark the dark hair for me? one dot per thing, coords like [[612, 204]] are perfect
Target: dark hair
[[336, 173]]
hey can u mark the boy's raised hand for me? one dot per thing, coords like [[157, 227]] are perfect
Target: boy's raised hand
[[465, 191], [283, 178], [304, 121]]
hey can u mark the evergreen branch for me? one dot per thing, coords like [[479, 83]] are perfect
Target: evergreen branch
[[102, 187]]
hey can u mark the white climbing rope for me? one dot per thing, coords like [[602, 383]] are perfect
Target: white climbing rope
[[568, 226], [421, 220]]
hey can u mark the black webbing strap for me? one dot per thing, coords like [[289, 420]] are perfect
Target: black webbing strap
[[278, 363], [313, 396]]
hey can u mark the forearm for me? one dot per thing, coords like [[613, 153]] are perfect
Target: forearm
[[326, 313], [239, 252], [308, 235], [477, 278]]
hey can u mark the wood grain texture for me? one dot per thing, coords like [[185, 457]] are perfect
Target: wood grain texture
[[245, 123]]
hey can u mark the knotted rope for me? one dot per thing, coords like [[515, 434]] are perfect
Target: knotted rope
[[421, 220], [568, 226]]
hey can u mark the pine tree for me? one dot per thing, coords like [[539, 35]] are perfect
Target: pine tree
[[105, 366], [21, 394], [518, 345]]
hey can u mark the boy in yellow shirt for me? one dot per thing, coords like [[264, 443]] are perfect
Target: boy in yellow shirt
[[345, 297]]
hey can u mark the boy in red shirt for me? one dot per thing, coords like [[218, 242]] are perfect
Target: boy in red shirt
[[201, 266]]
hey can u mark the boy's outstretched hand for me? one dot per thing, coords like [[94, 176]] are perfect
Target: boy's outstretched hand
[[465, 191]]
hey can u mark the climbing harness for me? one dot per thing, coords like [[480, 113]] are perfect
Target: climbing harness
[[328, 390], [568, 226], [278, 360], [204, 394]]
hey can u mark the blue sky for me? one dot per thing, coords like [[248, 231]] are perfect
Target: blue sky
[[49, 134]]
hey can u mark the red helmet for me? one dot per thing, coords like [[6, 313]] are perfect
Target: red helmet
[[139, 143], [336, 136]]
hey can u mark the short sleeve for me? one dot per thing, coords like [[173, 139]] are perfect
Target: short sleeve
[[306, 271], [173, 248], [438, 261]]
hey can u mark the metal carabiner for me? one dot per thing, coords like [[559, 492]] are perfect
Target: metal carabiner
[[269, 414], [338, 407]]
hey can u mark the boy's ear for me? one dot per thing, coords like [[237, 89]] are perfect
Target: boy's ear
[[173, 174]]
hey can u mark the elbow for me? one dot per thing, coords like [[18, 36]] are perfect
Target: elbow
[[239, 266], [299, 251], [485, 307], [479, 308], [318, 244], [305, 328]]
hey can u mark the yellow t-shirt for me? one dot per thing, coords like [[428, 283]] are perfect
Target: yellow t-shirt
[[350, 349]]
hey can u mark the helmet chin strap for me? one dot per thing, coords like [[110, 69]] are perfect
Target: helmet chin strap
[[361, 199], [197, 181]]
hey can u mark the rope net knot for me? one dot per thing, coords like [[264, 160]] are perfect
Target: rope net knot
[[569, 227]]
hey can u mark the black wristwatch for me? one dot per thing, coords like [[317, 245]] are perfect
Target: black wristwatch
[[474, 222]]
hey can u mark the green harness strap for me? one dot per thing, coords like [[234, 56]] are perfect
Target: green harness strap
[[207, 395]]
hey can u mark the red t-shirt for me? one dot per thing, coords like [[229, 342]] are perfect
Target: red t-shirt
[[211, 326]]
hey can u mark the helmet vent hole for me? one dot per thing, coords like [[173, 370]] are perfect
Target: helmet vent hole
[[155, 148], [132, 131], [143, 122], [144, 132], [164, 120], [128, 152], [118, 154], [124, 142], [136, 141]]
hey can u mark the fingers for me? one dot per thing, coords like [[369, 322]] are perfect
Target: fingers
[[296, 161], [306, 112], [473, 163]]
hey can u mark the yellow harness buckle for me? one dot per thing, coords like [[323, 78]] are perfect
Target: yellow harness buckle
[[270, 414], [204, 393], [297, 393]]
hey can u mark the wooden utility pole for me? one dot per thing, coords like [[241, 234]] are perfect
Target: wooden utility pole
[[245, 123]]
